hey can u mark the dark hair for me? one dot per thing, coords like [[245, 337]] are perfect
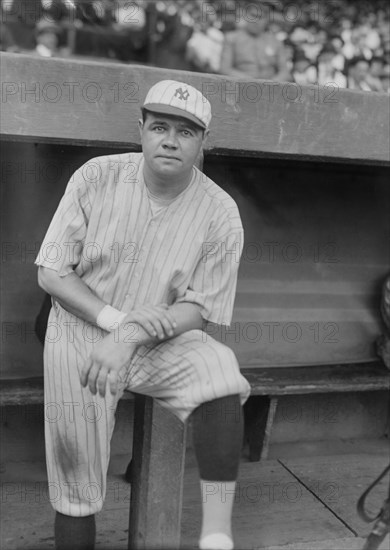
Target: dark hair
[[357, 59], [328, 48], [377, 59], [299, 55]]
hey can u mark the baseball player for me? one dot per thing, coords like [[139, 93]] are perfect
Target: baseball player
[[142, 251]]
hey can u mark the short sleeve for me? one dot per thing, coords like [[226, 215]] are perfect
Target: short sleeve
[[214, 281], [63, 243]]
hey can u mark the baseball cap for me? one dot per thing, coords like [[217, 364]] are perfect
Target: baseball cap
[[170, 97], [47, 25]]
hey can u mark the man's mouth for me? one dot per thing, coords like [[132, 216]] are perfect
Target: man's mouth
[[167, 157]]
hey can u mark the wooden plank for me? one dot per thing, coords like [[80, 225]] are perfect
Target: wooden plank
[[158, 472], [264, 381], [95, 103], [318, 379], [25, 488], [271, 507], [340, 481], [346, 543], [29, 391]]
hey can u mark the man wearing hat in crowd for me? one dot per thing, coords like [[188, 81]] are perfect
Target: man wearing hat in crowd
[[252, 51], [142, 251], [47, 35]]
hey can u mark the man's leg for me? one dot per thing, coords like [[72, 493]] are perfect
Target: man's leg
[[218, 430], [78, 430], [74, 533], [194, 372]]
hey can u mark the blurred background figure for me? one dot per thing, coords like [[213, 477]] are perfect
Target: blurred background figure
[[127, 40], [304, 72], [48, 34], [266, 40], [173, 27], [359, 77], [252, 50], [7, 40], [204, 48], [328, 67], [385, 79]]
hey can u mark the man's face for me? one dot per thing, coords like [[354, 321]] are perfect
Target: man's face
[[301, 65], [326, 58], [170, 144], [256, 22], [376, 68], [48, 39], [360, 70]]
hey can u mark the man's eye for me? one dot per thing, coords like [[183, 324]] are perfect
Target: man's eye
[[186, 133], [159, 128]]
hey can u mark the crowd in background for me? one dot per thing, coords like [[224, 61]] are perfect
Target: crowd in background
[[340, 42]]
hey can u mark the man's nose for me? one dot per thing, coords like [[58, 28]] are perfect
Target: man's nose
[[171, 138]]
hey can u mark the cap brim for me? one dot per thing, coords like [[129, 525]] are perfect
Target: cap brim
[[174, 111]]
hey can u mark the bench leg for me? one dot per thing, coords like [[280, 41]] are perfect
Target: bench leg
[[157, 477], [268, 428], [259, 416]]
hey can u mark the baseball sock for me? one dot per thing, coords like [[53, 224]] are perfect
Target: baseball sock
[[74, 533], [218, 428]]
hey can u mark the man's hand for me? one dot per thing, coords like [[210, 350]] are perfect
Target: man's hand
[[106, 361], [115, 351], [158, 321]]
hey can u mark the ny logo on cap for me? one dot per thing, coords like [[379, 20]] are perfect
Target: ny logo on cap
[[182, 94]]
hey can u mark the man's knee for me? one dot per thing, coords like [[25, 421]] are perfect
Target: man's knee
[[224, 410], [215, 352]]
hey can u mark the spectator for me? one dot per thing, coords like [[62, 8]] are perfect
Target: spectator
[[128, 37], [327, 71], [174, 27], [304, 72], [338, 59], [376, 67], [385, 79], [47, 34], [359, 75], [253, 51], [375, 72], [290, 52], [204, 49], [315, 39], [7, 41]]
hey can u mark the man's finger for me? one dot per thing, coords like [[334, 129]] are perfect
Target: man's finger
[[165, 318], [168, 323], [92, 377], [84, 372], [101, 381], [145, 323], [151, 318], [113, 382]]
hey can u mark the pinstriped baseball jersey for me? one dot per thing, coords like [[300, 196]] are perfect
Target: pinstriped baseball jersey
[[131, 250], [105, 230]]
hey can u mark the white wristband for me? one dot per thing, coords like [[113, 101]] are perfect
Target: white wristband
[[110, 318]]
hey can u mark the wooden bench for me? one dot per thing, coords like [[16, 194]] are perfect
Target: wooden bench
[[36, 108], [159, 438]]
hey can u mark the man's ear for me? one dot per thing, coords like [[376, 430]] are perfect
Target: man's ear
[[140, 126], [205, 137]]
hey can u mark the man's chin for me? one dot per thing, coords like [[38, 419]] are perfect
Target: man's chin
[[169, 167]]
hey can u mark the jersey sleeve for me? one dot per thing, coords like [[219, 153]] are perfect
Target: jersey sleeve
[[214, 281], [62, 245]]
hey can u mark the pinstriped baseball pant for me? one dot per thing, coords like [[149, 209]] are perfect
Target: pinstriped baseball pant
[[181, 373]]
